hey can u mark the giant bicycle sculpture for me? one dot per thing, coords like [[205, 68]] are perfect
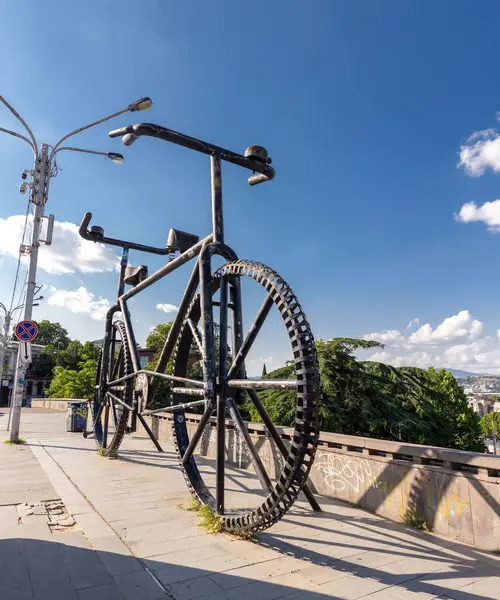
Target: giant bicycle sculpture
[[212, 301]]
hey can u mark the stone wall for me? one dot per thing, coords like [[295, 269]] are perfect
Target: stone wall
[[53, 403], [456, 493]]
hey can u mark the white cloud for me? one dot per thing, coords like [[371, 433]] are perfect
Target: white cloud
[[488, 213], [80, 301], [68, 252], [480, 152], [167, 308], [412, 323], [457, 342], [459, 326], [389, 335]]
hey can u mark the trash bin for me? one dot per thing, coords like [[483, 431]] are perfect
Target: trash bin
[[76, 417]]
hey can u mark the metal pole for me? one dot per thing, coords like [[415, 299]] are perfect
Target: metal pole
[[217, 216], [4, 342], [39, 198]]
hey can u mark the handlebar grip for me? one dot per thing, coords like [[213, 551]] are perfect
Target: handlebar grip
[[261, 177], [83, 231], [120, 132]]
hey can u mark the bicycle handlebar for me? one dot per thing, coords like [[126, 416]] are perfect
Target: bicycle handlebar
[[132, 132], [98, 236]]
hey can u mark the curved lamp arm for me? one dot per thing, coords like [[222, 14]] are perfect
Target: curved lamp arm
[[33, 143], [22, 137], [114, 156], [56, 147], [139, 105]]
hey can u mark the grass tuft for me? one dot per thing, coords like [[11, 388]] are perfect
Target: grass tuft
[[417, 523], [19, 442], [213, 523]]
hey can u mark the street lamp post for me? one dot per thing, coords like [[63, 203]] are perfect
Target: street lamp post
[[41, 174]]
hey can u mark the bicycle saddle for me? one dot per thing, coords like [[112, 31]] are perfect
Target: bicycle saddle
[[134, 275]]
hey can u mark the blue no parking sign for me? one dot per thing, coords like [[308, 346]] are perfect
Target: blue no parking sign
[[26, 331]]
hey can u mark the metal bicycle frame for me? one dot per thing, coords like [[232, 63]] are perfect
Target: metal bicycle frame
[[213, 386]]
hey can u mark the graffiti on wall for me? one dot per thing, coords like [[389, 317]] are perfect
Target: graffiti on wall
[[350, 477], [343, 472]]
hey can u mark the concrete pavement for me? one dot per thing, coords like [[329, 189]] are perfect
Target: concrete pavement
[[131, 540]]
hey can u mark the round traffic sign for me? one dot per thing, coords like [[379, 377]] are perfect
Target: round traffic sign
[[26, 331]]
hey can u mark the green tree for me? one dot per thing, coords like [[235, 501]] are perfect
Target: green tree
[[459, 423], [156, 340], [53, 334], [157, 337], [377, 400], [70, 356], [78, 382], [490, 424], [264, 370]]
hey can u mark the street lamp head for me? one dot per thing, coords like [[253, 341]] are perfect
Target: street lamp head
[[141, 105], [116, 157]]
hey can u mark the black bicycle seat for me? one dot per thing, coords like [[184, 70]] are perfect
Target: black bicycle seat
[[134, 275]]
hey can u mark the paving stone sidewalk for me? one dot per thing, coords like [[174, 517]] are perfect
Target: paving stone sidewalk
[[128, 511], [44, 553]]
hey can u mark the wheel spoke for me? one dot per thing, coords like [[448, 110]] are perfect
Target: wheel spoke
[[189, 391], [119, 400], [152, 374], [98, 415], [280, 443], [175, 407], [105, 426], [149, 432], [197, 434], [115, 416], [251, 335], [254, 455], [263, 384]]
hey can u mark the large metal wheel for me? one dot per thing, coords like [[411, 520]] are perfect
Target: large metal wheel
[[234, 388], [109, 409]]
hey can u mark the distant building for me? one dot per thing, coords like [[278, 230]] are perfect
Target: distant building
[[483, 404], [35, 383]]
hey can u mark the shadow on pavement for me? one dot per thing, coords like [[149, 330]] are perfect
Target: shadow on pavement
[[420, 565], [32, 569]]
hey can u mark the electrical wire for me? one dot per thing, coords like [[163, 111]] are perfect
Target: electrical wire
[[20, 255]]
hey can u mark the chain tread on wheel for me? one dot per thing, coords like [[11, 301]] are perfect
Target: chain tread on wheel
[[122, 413], [298, 462]]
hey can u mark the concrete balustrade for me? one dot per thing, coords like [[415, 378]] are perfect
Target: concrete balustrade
[[454, 493]]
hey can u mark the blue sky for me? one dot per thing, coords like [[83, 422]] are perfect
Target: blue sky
[[364, 108]]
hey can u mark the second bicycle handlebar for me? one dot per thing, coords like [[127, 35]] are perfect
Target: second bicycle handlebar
[[98, 236], [132, 132]]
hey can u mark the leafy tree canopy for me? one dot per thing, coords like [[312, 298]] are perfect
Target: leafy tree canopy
[[490, 424], [378, 400], [52, 333]]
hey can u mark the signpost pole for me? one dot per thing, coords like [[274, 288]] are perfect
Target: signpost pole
[[25, 332]]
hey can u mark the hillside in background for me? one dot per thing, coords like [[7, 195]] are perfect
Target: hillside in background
[[459, 373]]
